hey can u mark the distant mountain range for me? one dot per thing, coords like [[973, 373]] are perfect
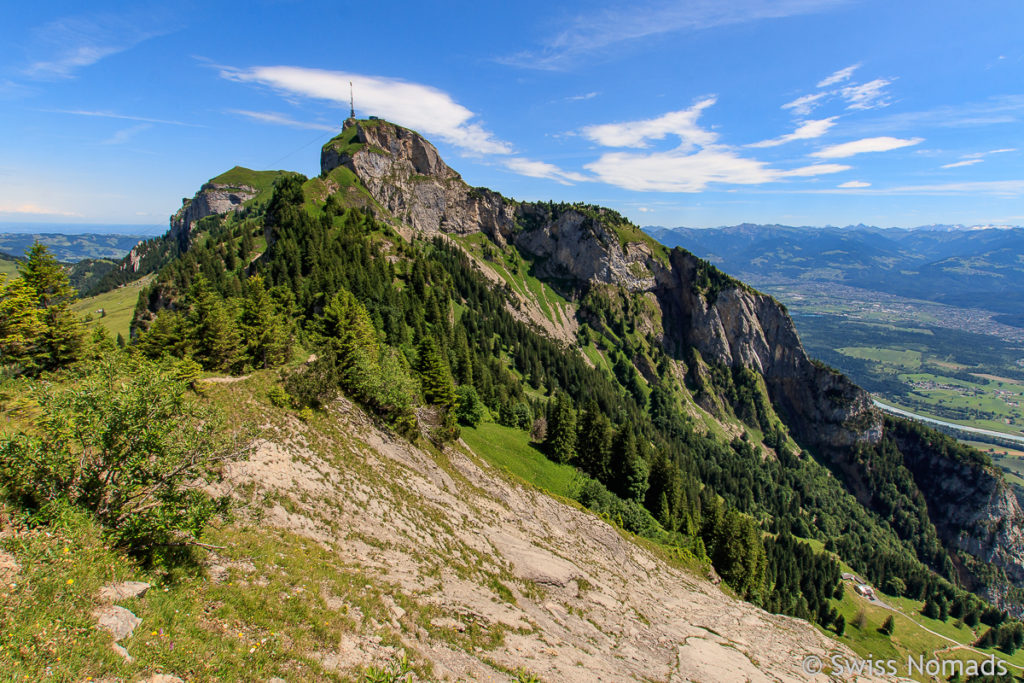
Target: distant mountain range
[[71, 248], [976, 267]]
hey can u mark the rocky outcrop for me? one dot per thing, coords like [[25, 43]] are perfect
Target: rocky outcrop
[[581, 246], [971, 505], [212, 199], [577, 601], [739, 327], [406, 176]]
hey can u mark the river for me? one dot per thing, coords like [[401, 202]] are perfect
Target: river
[[931, 420]]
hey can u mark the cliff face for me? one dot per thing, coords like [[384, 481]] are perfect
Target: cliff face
[[738, 327], [211, 199], [971, 505], [406, 176], [700, 308]]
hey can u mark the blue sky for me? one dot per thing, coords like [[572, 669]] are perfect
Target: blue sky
[[702, 113]]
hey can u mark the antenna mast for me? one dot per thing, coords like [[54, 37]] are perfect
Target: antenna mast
[[351, 101]]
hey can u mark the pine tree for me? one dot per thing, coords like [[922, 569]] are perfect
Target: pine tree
[[21, 325], [435, 376], [61, 340], [212, 328], [632, 470], [888, 626], [264, 332], [561, 434], [594, 443]]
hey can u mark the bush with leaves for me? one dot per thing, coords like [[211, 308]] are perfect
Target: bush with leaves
[[122, 439]]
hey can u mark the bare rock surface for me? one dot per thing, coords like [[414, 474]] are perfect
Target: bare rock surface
[[114, 592], [470, 550], [119, 621]]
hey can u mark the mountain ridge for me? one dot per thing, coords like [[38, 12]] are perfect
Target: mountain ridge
[[666, 326]]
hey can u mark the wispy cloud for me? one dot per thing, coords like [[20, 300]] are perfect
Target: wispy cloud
[[62, 47], [977, 157], [682, 123], [594, 32], [958, 164], [1003, 109], [124, 117], [586, 96], [281, 120], [879, 144], [34, 210], [807, 130], [853, 185], [1000, 188], [838, 76], [542, 169], [698, 161], [422, 107], [870, 95], [804, 105], [124, 135]]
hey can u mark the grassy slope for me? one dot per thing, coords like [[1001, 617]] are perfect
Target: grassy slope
[[119, 305], [910, 638], [8, 267], [510, 449]]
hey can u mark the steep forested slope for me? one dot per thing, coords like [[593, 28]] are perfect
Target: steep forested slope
[[684, 395]]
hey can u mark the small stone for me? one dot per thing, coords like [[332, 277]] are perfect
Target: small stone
[[113, 592], [276, 679], [162, 678], [448, 622], [117, 620]]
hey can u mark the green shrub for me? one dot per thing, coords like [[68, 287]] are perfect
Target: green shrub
[[121, 439]]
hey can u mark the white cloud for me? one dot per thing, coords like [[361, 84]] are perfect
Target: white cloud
[[807, 130], [958, 164], [125, 117], [838, 76], [1000, 188], [644, 209], [587, 96], [422, 107], [281, 119], [541, 169], [678, 171], [124, 135], [62, 47], [879, 144], [802, 106], [853, 185], [593, 32], [870, 95], [681, 123], [697, 161], [813, 170], [34, 210]]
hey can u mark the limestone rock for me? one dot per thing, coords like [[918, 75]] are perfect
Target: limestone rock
[[114, 592], [117, 620]]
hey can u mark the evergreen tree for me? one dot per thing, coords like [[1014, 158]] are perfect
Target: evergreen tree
[[435, 376], [561, 432], [469, 409], [61, 340], [631, 481], [21, 325], [594, 443], [211, 326], [264, 331], [888, 626]]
